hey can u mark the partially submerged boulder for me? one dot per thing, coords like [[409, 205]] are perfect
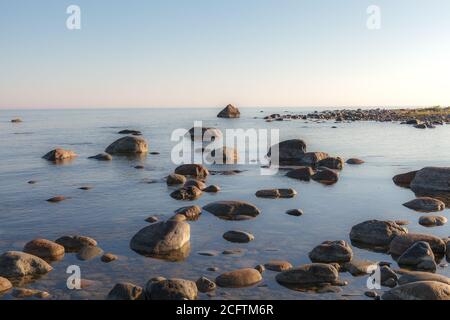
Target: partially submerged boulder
[[375, 233], [431, 180], [425, 204], [232, 210], [229, 111], [332, 251], [418, 257], [171, 289], [194, 170], [404, 179], [59, 155], [125, 291], [326, 176], [302, 173], [403, 242], [128, 145], [15, 264], [45, 249], [239, 278], [422, 290], [308, 275], [332, 163], [276, 193]]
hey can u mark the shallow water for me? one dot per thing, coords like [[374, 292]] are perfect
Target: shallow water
[[115, 209]]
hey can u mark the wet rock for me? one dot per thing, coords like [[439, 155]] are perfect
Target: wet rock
[[125, 291], [133, 132], [239, 278], [15, 264], [360, 267], [402, 243], [175, 179], [178, 217], [194, 170], [205, 285], [45, 249], [260, 268], [152, 219], [308, 275], [212, 269], [332, 251], [431, 180], [418, 257], [59, 155], [161, 238], [233, 251], [171, 289], [278, 265], [75, 243], [425, 204], [288, 152], [56, 199], [225, 155], [402, 222], [422, 290], [21, 293], [195, 183], [404, 179], [212, 189], [302, 173], [128, 145], [371, 294], [295, 212], [354, 161], [376, 233], [276, 193], [5, 284], [432, 221], [187, 193], [238, 236], [332, 163], [108, 257], [191, 213], [326, 176], [89, 253], [388, 277], [16, 120], [416, 276], [229, 111], [102, 157], [232, 210]]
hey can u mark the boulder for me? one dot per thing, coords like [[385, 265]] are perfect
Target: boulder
[[238, 236], [359, 267], [416, 276], [401, 243], [16, 120], [192, 213], [175, 179], [89, 253], [75, 243], [308, 275], [205, 285], [418, 257], [193, 170], [187, 193], [404, 179], [171, 289], [326, 176], [276, 193], [212, 189], [45, 249], [232, 210], [375, 233], [289, 152], [432, 221], [195, 183], [425, 204], [108, 257], [332, 163], [332, 251], [278, 265], [239, 278], [102, 157], [229, 111], [354, 161], [125, 291], [5, 284], [128, 145], [161, 238], [431, 180], [388, 277], [422, 290], [15, 264], [295, 212], [302, 173], [59, 155]]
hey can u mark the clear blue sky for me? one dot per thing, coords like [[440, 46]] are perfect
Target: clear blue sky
[[207, 53]]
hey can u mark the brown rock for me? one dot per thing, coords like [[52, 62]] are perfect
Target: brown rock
[[404, 179], [45, 249], [239, 278], [403, 242], [278, 265], [194, 170], [128, 145], [59, 155]]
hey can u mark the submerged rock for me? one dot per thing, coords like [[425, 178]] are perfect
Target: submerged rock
[[194, 170], [75, 243], [238, 236], [308, 275], [128, 145], [205, 285], [175, 179], [425, 204], [59, 155], [402, 243], [229, 111], [21, 293], [239, 278], [56, 199], [278, 265], [45, 249], [171, 289], [128, 131], [376, 233], [422, 290], [332, 251], [276, 193], [418, 257], [89, 253], [102, 157], [15, 264], [212, 189], [432, 221], [125, 291], [404, 179], [354, 161], [232, 210], [187, 193], [326, 176], [195, 183], [359, 267], [302, 173]]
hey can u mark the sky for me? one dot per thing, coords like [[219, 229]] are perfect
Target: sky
[[208, 53]]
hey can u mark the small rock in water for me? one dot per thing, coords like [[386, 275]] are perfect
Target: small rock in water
[[376, 233], [175, 179], [260, 268], [45, 249], [308, 275], [332, 163], [432, 221], [360, 267], [85, 188], [295, 212], [276, 193], [425, 204], [326, 176], [5, 284], [332, 251], [278, 265], [205, 285], [16, 120], [238, 236], [21, 293], [128, 145], [108, 257], [239, 278], [15, 264], [171, 289], [229, 111], [402, 222], [56, 199], [388, 277], [133, 132], [212, 269], [402, 243], [187, 193], [194, 170], [195, 183], [192, 213], [233, 251], [302, 173], [416, 276], [212, 189], [32, 182], [404, 179], [88, 253], [232, 210], [139, 167], [152, 219], [371, 294], [59, 155], [75, 243], [418, 257], [125, 291], [102, 157], [208, 253], [354, 161]]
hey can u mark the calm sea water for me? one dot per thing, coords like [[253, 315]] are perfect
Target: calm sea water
[[115, 209]]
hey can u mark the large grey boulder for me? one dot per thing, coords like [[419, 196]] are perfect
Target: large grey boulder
[[289, 152], [376, 233], [418, 257], [431, 180], [403, 242], [128, 145], [15, 264]]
